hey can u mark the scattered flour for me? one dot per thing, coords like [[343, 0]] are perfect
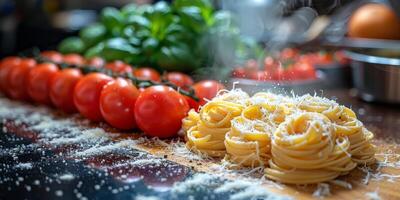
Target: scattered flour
[[24, 166], [59, 193], [141, 197], [67, 177], [322, 190], [373, 195]]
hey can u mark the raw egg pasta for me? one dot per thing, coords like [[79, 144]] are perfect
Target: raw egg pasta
[[345, 124], [191, 120], [299, 140], [306, 143], [208, 135], [267, 112], [248, 142]]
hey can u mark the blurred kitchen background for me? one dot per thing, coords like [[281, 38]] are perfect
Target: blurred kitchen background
[[44, 23]]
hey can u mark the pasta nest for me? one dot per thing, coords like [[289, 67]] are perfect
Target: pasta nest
[[268, 112], [208, 135], [248, 143], [305, 149]]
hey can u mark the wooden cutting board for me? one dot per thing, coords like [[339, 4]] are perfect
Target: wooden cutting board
[[363, 186]]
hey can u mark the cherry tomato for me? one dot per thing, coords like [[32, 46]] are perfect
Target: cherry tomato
[[206, 89], [18, 79], [289, 53], [39, 82], [117, 103], [251, 67], [191, 102], [289, 74], [87, 95], [74, 59], [341, 57], [147, 74], [62, 86], [324, 58], [119, 67], [239, 72], [304, 70], [53, 56], [5, 67], [270, 64], [159, 111], [278, 74], [180, 79], [96, 62], [261, 76]]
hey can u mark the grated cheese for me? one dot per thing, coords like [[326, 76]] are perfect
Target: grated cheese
[[322, 190], [373, 195]]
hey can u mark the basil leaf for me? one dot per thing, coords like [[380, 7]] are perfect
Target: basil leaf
[[92, 34], [71, 45]]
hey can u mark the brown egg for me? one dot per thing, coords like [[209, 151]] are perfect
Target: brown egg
[[375, 21]]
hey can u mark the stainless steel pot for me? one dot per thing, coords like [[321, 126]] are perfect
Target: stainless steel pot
[[336, 74], [376, 77]]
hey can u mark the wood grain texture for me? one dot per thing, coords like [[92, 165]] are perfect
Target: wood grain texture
[[386, 188]]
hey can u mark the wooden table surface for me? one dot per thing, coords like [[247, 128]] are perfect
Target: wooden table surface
[[383, 179]]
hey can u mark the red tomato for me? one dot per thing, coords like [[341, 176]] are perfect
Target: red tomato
[[180, 79], [341, 57], [304, 70], [74, 59], [96, 62], [117, 103], [251, 67], [62, 86], [18, 79], [324, 58], [191, 102], [289, 74], [53, 56], [289, 53], [206, 89], [239, 73], [141, 89], [119, 67], [39, 82], [261, 76], [87, 95], [147, 74], [270, 64], [159, 111], [5, 67], [278, 74]]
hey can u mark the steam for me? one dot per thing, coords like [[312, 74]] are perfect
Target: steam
[[274, 23]]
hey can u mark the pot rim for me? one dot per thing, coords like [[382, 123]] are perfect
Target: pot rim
[[373, 59]]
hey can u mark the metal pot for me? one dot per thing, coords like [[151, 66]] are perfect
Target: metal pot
[[376, 77], [337, 75]]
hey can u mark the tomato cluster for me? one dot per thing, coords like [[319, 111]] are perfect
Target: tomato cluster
[[289, 65], [157, 110], [325, 59], [275, 70]]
